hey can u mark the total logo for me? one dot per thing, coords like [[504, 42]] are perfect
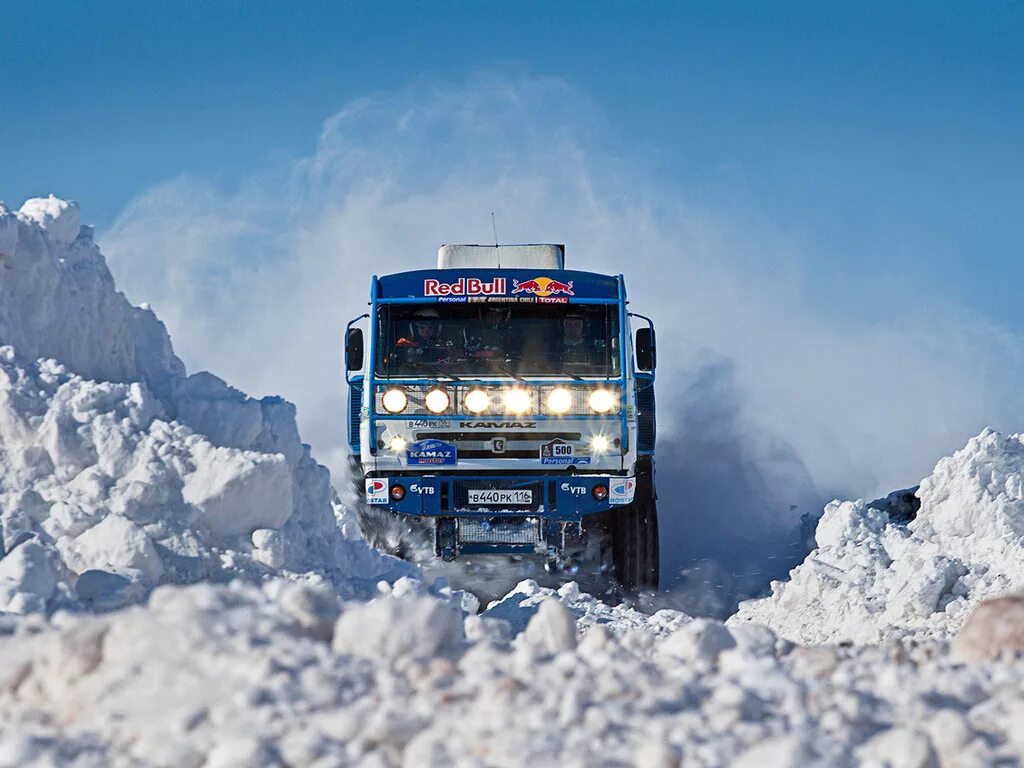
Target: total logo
[[376, 491], [543, 287]]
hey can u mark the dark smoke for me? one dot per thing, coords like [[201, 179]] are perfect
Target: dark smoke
[[735, 504]]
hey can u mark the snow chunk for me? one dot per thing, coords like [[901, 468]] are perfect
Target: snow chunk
[[237, 492], [994, 628], [396, 628], [61, 219], [552, 628], [700, 639], [116, 543], [27, 578]]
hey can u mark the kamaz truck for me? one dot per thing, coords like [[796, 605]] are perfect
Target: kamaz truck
[[503, 405]]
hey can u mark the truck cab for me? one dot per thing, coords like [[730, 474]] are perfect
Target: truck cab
[[502, 404]]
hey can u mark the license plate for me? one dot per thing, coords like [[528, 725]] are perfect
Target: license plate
[[502, 496]]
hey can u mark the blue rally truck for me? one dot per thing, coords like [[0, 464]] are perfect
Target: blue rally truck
[[501, 404]]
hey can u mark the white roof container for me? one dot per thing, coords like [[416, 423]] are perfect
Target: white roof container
[[501, 256]]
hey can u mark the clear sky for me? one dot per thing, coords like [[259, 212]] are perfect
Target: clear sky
[[884, 141], [869, 128]]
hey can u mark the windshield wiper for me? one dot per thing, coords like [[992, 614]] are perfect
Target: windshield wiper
[[507, 371], [439, 372]]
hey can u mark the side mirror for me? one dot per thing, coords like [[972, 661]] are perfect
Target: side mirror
[[646, 354], [354, 349]]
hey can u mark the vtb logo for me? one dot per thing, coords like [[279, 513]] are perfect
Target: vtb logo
[[543, 287]]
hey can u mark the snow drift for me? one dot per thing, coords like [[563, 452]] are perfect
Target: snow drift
[[303, 679], [122, 478], [117, 471], [872, 579]]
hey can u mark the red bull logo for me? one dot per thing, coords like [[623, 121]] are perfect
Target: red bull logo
[[543, 287], [465, 286]]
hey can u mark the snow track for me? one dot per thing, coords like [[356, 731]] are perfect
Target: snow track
[[179, 587]]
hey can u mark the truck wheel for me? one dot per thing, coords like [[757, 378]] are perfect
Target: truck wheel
[[634, 538]]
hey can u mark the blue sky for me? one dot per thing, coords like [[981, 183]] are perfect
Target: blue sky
[[890, 137], [834, 188]]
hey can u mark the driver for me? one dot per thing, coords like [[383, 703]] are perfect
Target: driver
[[424, 342], [576, 347]]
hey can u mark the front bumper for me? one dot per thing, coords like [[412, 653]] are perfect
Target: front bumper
[[552, 496], [551, 523]]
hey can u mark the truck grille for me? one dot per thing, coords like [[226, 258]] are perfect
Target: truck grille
[[499, 530]]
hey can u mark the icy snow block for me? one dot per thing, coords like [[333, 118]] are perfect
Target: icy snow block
[[236, 492], [994, 628], [501, 256], [27, 578], [103, 590], [552, 628], [61, 219], [115, 543], [700, 639], [389, 629]]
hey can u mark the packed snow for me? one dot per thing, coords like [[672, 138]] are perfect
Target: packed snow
[[179, 586], [872, 578]]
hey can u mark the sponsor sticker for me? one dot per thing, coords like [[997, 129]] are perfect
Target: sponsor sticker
[[376, 490], [465, 286], [542, 287], [621, 490], [561, 452], [434, 452]]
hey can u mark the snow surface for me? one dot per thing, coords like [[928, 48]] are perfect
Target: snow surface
[[871, 579], [179, 587], [116, 467]]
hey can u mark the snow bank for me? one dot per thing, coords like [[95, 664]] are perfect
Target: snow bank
[[871, 579], [118, 472], [303, 679]]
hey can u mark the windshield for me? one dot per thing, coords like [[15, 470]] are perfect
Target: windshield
[[497, 339]]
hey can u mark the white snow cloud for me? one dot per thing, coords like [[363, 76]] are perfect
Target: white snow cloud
[[803, 393]]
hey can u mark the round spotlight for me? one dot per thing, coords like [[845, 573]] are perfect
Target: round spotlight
[[394, 400], [600, 492], [559, 400], [518, 401], [602, 401], [397, 492], [599, 444], [437, 401], [477, 401], [397, 444]]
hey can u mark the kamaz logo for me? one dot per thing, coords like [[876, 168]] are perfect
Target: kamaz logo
[[500, 425]]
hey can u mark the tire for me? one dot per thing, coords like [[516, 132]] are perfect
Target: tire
[[634, 539]]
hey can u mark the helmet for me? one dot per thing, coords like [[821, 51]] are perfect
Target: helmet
[[425, 315]]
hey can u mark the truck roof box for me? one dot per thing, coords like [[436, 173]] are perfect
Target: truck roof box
[[501, 256]]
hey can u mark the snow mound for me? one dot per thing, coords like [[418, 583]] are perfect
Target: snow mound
[[117, 471], [94, 479], [301, 678], [872, 579]]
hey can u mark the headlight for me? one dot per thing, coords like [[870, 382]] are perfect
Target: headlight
[[477, 401], [437, 401], [397, 444], [394, 400], [599, 444], [518, 401], [559, 400], [602, 401]]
